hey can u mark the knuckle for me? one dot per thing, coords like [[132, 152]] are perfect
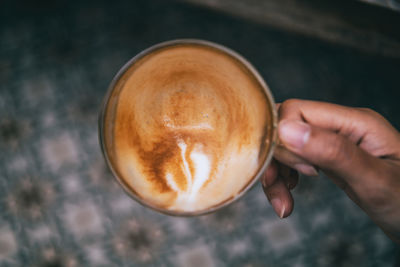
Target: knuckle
[[370, 113], [289, 103], [366, 110], [372, 119]]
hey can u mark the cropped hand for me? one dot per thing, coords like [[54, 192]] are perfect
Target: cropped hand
[[355, 147]]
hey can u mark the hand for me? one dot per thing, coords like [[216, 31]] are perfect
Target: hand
[[355, 147]]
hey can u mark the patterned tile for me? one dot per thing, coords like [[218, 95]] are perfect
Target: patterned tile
[[181, 227], [139, 240], [83, 219], [60, 205], [280, 234], [30, 198], [61, 150], [54, 257], [41, 233], [199, 255], [8, 244], [239, 248], [72, 184], [96, 255]]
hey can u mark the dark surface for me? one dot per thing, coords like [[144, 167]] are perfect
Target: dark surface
[[361, 15], [59, 204], [353, 23]]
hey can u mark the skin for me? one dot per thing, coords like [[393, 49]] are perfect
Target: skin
[[355, 147]]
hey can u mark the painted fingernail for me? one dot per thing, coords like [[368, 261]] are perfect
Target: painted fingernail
[[294, 133], [278, 207], [306, 169]]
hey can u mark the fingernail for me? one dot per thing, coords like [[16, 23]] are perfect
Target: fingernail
[[263, 181], [306, 169], [278, 207], [294, 133]]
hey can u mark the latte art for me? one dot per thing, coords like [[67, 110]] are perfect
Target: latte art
[[187, 128]]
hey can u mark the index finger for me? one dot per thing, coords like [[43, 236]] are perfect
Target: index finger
[[347, 121]]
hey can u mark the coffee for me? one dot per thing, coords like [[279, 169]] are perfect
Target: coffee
[[187, 127]]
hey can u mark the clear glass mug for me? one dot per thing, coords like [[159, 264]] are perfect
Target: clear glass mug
[[108, 109]]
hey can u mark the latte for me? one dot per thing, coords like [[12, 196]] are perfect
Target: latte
[[187, 127]]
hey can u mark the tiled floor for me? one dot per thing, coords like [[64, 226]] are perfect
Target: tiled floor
[[59, 205]]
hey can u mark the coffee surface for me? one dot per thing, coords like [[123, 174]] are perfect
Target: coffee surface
[[187, 127]]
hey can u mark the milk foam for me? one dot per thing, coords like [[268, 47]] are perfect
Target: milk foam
[[190, 128], [201, 166], [226, 183]]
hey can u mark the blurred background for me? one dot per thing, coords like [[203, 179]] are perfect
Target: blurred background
[[59, 205]]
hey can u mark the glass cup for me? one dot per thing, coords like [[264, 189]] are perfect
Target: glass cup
[[110, 103]]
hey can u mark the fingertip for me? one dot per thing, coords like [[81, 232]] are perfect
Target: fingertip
[[282, 208], [294, 133], [306, 169], [278, 207], [280, 198]]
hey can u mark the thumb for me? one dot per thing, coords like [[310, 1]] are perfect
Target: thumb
[[332, 152]]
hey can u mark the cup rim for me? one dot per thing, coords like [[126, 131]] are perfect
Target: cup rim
[[221, 48]]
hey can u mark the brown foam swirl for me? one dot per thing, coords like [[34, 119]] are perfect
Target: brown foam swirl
[[188, 127]]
